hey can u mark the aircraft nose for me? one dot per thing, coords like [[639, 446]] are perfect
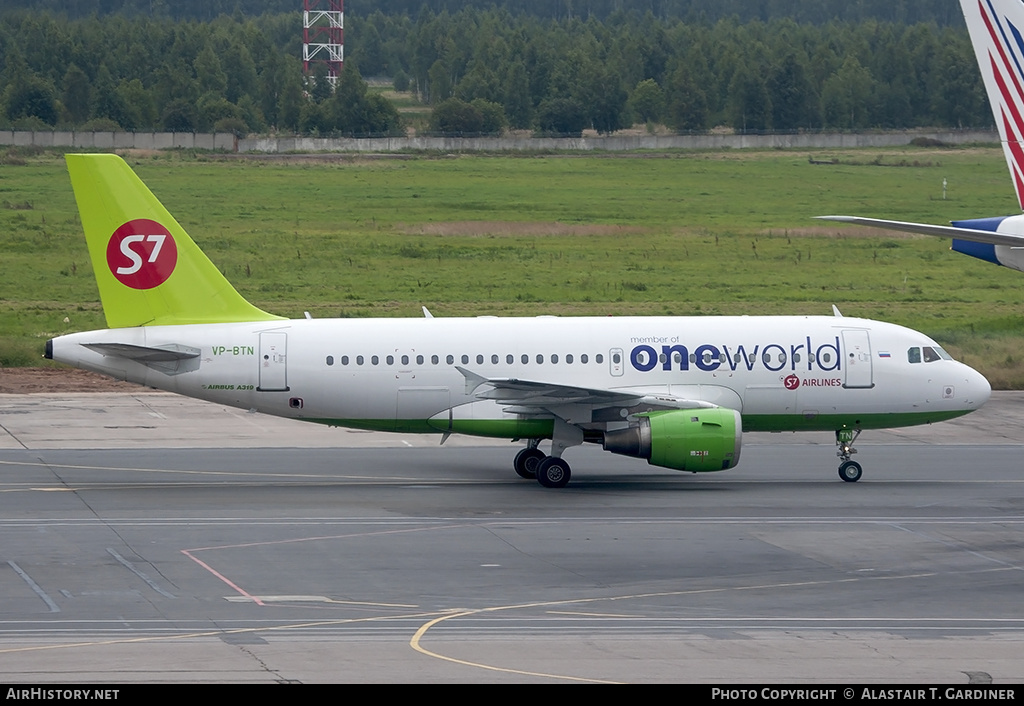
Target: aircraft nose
[[979, 388]]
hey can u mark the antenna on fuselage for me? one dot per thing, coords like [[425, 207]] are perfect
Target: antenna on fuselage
[[835, 311]]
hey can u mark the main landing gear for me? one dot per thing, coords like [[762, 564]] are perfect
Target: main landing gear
[[528, 459], [549, 471], [849, 471]]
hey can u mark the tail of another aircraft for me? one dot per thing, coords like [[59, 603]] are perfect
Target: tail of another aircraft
[[996, 32], [149, 271]]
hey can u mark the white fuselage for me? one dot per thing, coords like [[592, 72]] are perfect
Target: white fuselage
[[780, 373]]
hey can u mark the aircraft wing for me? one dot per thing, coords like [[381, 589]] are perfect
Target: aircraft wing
[[969, 234], [534, 393]]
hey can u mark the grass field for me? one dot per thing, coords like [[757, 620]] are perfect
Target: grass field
[[695, 233]]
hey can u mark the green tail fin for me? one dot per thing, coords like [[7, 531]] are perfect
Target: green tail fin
[[149, 271]]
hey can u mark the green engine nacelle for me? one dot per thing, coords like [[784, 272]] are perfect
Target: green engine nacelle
[[684, 439]]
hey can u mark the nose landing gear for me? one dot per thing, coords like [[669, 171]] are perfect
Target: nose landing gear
[[849, 471]]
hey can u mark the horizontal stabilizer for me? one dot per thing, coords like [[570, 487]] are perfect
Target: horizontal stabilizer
[[171, 358], [144, 354]]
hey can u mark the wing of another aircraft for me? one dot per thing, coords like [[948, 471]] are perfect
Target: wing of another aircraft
[[970, 234]]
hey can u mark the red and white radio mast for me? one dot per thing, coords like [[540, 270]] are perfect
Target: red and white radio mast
[[323, 36]]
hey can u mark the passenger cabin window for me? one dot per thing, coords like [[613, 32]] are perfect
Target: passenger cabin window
[[330, 360]]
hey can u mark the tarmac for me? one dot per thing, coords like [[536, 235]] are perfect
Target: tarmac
[[149, 538]]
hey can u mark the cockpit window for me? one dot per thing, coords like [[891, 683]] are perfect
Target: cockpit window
[[933, 353], [929, 354]]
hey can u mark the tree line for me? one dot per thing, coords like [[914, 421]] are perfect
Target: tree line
[[941, 12], [485, 70]]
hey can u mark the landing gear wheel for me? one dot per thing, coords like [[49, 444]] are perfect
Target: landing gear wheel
[[553, 472], [850, 471], [526, 462]]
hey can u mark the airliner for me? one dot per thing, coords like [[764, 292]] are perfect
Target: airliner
[[996, 28], [676, 391]]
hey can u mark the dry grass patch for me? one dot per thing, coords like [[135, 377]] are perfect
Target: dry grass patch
[[514, 228], [840, 232]]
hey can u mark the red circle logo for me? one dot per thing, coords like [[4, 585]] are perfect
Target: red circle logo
[[142, 254], [791, 382]]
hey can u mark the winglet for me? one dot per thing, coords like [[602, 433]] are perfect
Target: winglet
[[147, 268]]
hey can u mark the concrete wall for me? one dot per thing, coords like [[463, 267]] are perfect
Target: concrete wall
[[612, 143], [106, 140], [227, 142]]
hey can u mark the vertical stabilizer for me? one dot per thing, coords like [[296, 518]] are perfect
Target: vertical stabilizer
[[997, 33], [149, 271]]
